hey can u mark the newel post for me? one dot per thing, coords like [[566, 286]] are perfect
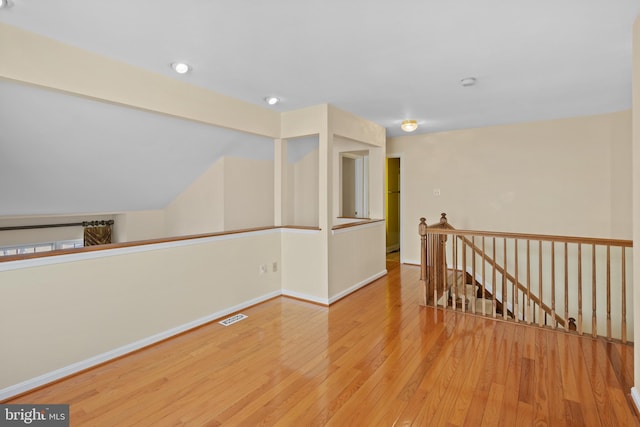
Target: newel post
[[422, 230], [444, 223]]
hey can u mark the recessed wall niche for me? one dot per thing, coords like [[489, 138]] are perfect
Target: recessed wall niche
[[358, 177], [354, 184]]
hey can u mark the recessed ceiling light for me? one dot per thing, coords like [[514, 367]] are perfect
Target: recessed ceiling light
[[468, 81], [409, 125], [272, 100], [181, 67]]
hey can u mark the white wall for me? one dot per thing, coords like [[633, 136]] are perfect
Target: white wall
[[302, 266], [200, 208], [139, 225], [248, 193], [234, 193], [55, 315], [566, 177], [303, 187], [357, 257]]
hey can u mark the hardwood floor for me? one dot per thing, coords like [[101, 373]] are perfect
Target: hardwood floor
[[373, 358], [393, 260]]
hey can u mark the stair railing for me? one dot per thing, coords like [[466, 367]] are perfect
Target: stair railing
[[433, 264], [544, 280]]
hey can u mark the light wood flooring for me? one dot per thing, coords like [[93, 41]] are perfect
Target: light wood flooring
[[375, 358]]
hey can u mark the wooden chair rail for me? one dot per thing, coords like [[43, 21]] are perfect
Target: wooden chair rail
[[356, 223]]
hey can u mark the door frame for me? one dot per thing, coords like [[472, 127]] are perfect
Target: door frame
[[402, 202]]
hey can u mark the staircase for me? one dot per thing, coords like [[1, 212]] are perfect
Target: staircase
[[547, 281], [476, 298]]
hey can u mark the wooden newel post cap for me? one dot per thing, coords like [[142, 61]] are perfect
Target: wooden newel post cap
[[422, 227], [443, 218]]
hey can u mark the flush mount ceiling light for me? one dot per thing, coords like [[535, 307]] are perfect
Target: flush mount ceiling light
[[272, 100], [409, 125], [468, 81], [5, 4], [179, 67]]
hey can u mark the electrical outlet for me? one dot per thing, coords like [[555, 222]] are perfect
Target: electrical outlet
[[275, 266], [436, 192], [263, 268]]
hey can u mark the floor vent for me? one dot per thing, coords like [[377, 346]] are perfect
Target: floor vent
[[233, 319]]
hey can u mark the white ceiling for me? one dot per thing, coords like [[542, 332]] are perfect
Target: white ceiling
[[383, 60]]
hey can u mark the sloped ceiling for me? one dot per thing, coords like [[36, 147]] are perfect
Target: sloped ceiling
[[65, 154]]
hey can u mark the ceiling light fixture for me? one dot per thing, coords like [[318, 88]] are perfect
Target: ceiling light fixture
[[181, 67], [468, 81], [5, 4], [272, 100], [409, 125]]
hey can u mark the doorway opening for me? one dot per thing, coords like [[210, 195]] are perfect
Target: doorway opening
[[393, 209]]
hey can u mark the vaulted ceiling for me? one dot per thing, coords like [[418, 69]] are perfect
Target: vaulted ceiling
[[65, 154], [383, 60]]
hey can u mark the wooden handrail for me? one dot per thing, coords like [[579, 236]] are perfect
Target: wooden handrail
[[57, 252], [524, 236]]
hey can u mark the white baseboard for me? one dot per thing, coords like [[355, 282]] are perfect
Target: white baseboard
[[329, 301], [306, 297], [635, 395], [410, 261], [393, 248], [357, 286], [49, 377]]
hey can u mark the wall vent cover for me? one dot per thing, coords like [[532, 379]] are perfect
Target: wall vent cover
[[233, 319]]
